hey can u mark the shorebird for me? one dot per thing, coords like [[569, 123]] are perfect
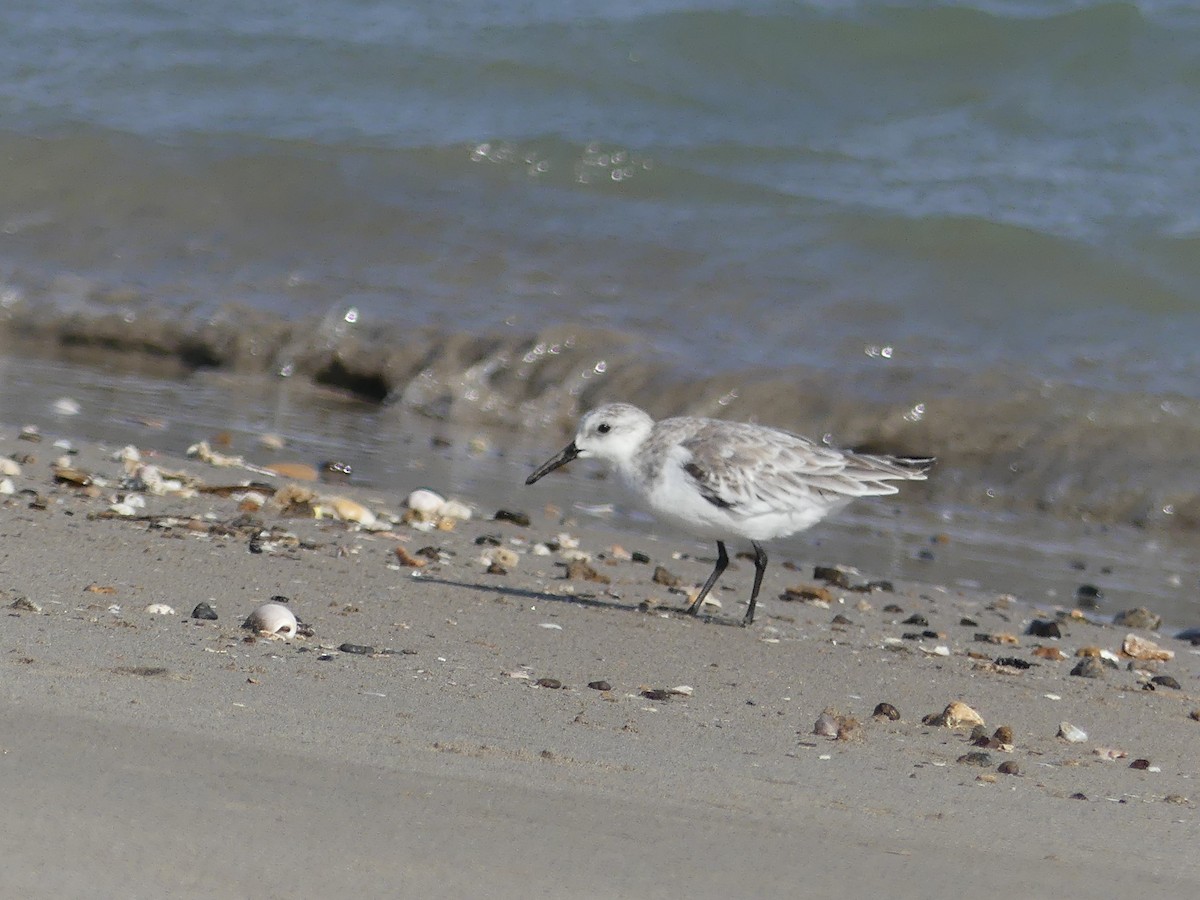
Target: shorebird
[[723, 480]]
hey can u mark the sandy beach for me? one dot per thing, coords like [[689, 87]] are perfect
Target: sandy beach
[[454, 720]]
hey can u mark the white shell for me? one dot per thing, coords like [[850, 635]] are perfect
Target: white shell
[[66, 406], [455, 509], [7, 486], [273, 618], [160, 609], [9, 466], [425, 501], [1071, 734]]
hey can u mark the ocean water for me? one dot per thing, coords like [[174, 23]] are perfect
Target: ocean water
[[969, 230]]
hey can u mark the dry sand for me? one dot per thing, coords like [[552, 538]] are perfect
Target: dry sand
[[158, 755]]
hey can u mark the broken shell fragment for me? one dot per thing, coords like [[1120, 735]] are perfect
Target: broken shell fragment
[[1071, 734], [346, 510], [956, 715], [160, 609], [272, 619], [1140, 648]]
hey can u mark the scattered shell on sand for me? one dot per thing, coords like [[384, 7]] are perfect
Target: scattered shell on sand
[[66, 406], [272, 619], [203, 452], [1140, 648], [345, 510], [7, 486], [9, 467], [24, 604], [956, 715], [886, 711], [500, 556], [426, 506], [160, 609], [1071, 734]]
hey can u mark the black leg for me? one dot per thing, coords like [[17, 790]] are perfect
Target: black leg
[[760, 566], [722, 562]]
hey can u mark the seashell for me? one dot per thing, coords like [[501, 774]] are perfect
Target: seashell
[[70, 475], [346, 510], [1071, 734], [553, 626], [425, 502], [7, 487], [159, 609], [66, 406], [123, 509], [24, 604], [826, 725], [270, 441], [203, 452], [1140, 648], [683, 690], [30, 433], [272, 619], [455, 509], [956, 715], [1110, 753], [9, 467]]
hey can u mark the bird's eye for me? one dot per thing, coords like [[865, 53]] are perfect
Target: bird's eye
[[604, 428]]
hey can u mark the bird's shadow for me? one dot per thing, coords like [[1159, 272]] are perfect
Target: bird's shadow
[[577, 600]]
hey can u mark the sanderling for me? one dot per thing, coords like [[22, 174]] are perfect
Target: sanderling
[[722, 480]]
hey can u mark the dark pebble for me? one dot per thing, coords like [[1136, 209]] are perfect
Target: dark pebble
[[360, 649], [916, 619], [433, 554], [489, 540], [911, 636], [886, 711], [893, 609], [279, 598], [968, 623], [1078, 795], [600, 685], [1088, 596], [1008, 768], [1166, 681], [656, 694], [881, 585], [1078, 565], [204, 611], [831, 575], [552, 683], [507, 515], [1003, 734], [1191, 635], [255, 546], [496, 569], [976, 758], [640, 557], [1140, 764], [1013, 662], [978, 732], [925, 555], [1044, 628], [839, 619], [325, 657], [1088, 667]]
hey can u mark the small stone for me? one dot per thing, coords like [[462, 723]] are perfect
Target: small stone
[[578, 569], [968, 623], [815, 594], [656, 694], [1166, 681], [1078, 795], [1014, 662], [665, 578], [886, 711], [204, 610], [516, 518], [639, 557], [1044, 628], [893, 609], [1141, 648], [552, 683], [979, 733], [1089, 667], [1003, 734], [496, 569], [357, 649], [916, 619], [1009, 767], [600, 685], [848, 729], [826, 725], [1071, 734], [1140, 764], [999, 637], [1194, 715], [1140, 617], [1088, 596], [489, 540], [832, 575], [882, 585], [839, 619], [976, 758]]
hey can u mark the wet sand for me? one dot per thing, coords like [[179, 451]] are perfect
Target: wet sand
[[149, 755]]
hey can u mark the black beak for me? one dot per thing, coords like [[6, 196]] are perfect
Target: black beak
[[569, 452]]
